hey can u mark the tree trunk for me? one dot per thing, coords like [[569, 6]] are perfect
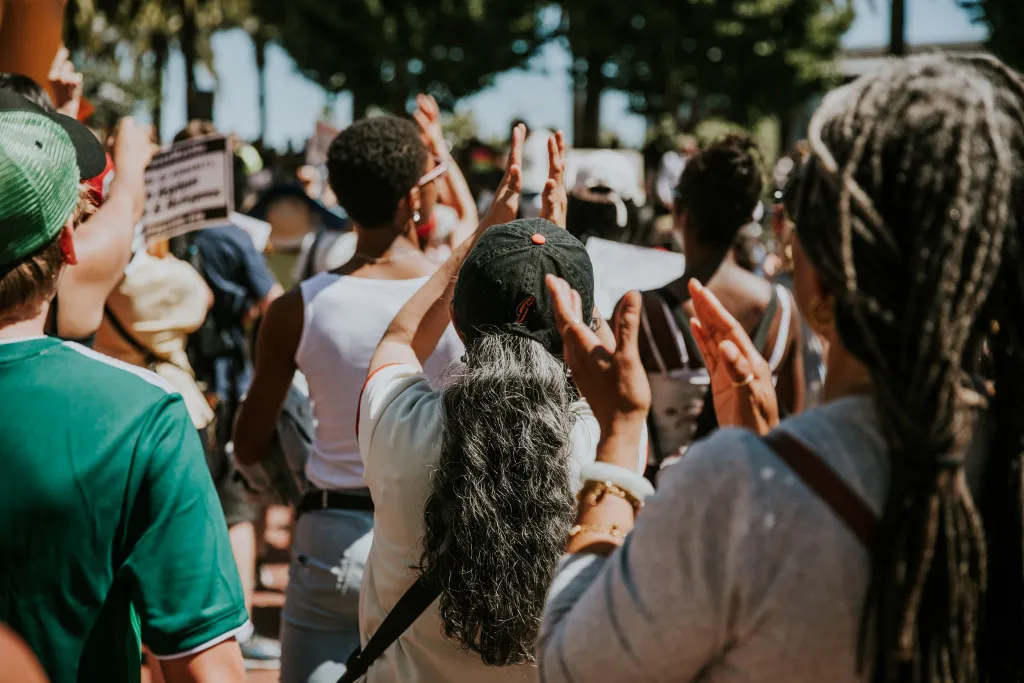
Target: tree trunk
[[160, 52], [897, 28], [189, 38], [590, 131], [260, 43], [359, 105]]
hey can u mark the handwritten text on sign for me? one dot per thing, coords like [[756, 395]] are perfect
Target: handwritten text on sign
[[189, 187]]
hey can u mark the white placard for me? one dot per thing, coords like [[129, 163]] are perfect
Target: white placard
[[320, 143], [619, 268], [257, 230], [188, 187]]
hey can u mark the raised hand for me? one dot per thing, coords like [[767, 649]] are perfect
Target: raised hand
[[554, 199], [66, 84], [428, 118], [132, 147], [741, 380], [605, 364], [505, 206]]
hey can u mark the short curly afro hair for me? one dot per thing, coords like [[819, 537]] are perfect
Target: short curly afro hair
[[720, 188], [372, 164]]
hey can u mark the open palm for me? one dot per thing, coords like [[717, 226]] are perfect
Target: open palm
[[741, 379]]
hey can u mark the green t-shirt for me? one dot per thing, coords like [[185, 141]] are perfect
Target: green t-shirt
[[110, 528]]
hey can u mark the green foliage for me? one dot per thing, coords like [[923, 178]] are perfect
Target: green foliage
[[739, 59], [1005, 21], [387, 51]]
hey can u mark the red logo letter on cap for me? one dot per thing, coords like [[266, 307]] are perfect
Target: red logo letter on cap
[[524, 309]]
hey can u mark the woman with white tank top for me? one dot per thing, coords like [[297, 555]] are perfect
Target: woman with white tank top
[[383, 172]]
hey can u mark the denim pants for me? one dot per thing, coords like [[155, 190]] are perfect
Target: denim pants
[[320, 621]]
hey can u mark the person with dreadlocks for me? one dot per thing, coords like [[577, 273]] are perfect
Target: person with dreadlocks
[[844, 544], [717, 194]]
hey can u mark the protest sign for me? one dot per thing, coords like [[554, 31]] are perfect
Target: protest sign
[[320, 143], [188, 187], [619, 268]]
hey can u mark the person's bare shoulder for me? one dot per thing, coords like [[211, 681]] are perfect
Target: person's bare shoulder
[[19, 664]]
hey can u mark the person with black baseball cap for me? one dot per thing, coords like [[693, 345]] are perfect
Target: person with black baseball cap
[[110, 530], [473, 484]]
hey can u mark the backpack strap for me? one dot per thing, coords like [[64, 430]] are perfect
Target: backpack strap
[[823, 481], [660, 348], [149, 358], [682, 321], [408, 608]]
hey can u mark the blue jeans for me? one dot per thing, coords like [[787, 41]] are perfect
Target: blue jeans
[[320, 621]]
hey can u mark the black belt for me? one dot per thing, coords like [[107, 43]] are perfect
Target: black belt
[[335, 500]]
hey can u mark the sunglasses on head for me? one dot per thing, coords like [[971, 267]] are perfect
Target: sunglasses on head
[[433, 174]]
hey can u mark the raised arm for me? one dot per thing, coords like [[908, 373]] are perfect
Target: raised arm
[[103, 242], [414, 333], [275, 367], [428, 117]]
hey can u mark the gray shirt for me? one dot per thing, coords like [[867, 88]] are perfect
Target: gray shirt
[[735, 572]]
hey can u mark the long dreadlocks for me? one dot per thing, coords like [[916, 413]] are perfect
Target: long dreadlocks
[[910, 213]]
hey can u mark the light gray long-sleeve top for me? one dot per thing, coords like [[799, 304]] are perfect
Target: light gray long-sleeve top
[[735, 572]]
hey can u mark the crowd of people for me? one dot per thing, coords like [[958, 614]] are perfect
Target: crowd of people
[[802, 468]]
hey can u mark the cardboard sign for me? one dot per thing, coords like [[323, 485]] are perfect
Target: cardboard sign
[[619, 268], [188, 187], [320, 143]]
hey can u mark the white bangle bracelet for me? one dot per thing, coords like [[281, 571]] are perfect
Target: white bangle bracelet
[[624, 478]]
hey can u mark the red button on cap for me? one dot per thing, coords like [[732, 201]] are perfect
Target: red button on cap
[[538, 238]]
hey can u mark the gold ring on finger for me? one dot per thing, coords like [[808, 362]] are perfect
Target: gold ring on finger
[[745, 381]]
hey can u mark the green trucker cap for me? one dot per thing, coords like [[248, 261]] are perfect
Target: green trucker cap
[[43, 156]]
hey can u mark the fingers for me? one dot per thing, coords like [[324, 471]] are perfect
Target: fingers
[[553, 197], [737, 366], [421, 119], [708, 350], [717, 323], [568, 310], [626, 321], [515, 152]]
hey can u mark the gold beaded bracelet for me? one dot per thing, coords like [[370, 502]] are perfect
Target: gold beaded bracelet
[[593, 492], [613, 530]]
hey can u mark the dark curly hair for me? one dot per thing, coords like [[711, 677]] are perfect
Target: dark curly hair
[[720, 188], [372, 164]]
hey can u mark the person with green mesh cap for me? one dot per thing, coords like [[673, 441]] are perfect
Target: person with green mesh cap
[[111, 533]]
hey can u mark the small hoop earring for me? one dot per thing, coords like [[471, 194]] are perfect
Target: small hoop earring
[[415, 216], [815, 318]]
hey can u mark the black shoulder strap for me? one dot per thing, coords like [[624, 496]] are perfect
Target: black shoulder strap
[[309, 267], [827, 485], [675, 305], [408, 608], [128, 336]]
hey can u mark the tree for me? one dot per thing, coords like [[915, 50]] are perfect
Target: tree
[[738, 59], [386, 51], [898, 28], [1005, 21]]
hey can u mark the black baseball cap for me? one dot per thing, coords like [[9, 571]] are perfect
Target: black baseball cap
[[89, 154], [501, 285]]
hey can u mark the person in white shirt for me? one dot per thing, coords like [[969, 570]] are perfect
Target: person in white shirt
[[473, 484], [383, 173]]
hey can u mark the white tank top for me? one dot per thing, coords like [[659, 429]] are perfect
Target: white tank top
[[345, 318]]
